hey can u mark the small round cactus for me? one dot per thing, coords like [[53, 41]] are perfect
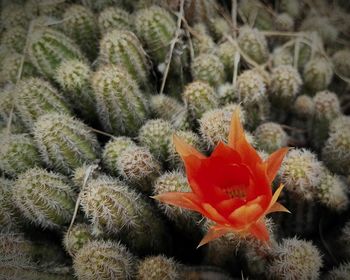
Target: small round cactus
[[318, 74], [64, 142], [332, 192], [341, 272], [122, 47], [208, 68], [138, 167], [257, 14], [270, 137], [219, 27], [36, 97], [80, 24], [74, 77], [113, 18], [226, 52], [214, 125], [304, 106], [285, 84], [295, 260], [202, 41], [291, 7], [121, 106], [301, 173], [169, 109], [53, 8], [48, 48], [13, 14], [198, 98], [226, 93], [76, 238], [114, 208], [18, 153], [100, 260], [282, 56], [156, 27], [284, 22], [190, 138], [250, 87], [44, 198], [14, 38], [322, 26], [253, 44], [113, 150], [8, 110], [341, 62], [336, 151], [156, 136], [175, 182], [158, 268], [340, 123]]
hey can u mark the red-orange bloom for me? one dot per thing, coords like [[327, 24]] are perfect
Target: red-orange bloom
[[232, 187]]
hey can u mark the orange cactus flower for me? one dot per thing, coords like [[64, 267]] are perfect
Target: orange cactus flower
[[232, 186]]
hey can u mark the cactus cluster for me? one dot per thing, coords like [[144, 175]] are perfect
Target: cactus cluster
[[95, 98]]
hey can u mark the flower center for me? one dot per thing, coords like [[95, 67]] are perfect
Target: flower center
[[239, 191]]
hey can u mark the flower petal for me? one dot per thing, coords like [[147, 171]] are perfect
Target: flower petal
[[273, 163], [213, 214], [236, 130], [185, 149], [226, 154], [275, 196], [213, 233], [259, 230], [245, 215], [277, 207], [182, 199]]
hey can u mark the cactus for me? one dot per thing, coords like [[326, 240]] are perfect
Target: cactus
[[208, 68], [11, 67], [156, 136], [202, 41], [175, 182], [189, 137], [226, 94], [99, 260], [13, 14], [340, 123], [291, 7], [156, 27], [295, 259], [122, 47], [54, 8], [76, 238], [112, 152], [121, 106], [214, 125], [18, 153], [255, 13], [226, 52], [318, 74], [335, 152], [14, 38], [341, 63], [80, 24], [64, 142], [116, 209], [219, 27], [253, 44], [304, 106], [48, 48], [270, 136], [113, 18], [326, 108], [301, 173], [282, 56], [36, 97], [339, 273], [284, 22], [169, 109], [322, 26], [158, 268], [285, 85], [198, 98], [44, 198], [74, 77], [199, 11], [138, 167], [9, 216]]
